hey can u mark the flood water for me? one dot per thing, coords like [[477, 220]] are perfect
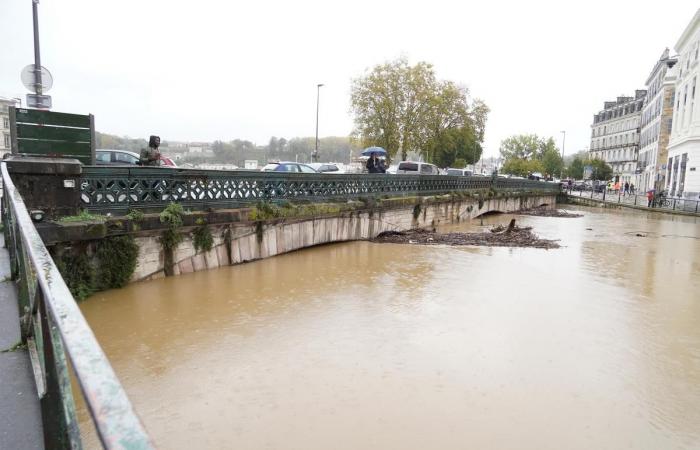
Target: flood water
[[595, 345]]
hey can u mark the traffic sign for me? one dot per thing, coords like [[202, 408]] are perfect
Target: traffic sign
[[39, 101], [29, 78]]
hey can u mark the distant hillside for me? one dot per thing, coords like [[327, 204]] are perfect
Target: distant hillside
[[105, 140]]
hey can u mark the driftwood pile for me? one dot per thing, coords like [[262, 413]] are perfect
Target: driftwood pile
[[500, 236]]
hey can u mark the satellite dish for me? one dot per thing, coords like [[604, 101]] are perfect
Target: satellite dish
[[29, 80]]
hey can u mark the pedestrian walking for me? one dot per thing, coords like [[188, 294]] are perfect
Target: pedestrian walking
[[626, 189], [631, 188], [650, 198]]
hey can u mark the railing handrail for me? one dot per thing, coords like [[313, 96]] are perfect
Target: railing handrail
[[118, 189], [116, 422]]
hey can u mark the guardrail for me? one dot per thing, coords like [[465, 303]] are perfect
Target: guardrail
[[106, 189], [53, 326], [639, 200]]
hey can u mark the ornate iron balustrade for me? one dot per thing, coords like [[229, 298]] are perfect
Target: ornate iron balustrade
[[53, 326], [107, 189]]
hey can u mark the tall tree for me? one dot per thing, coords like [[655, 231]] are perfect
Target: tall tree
[[405, 108], [550, 157], [530, 152], [522, 146], [575, 169], [601, 170]]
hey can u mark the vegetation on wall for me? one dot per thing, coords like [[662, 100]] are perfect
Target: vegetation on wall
[[110, 267], [136, 218], [171, 237], [267, 211], [201, 236]]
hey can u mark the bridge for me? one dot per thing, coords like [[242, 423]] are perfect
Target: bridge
[[240, 216]]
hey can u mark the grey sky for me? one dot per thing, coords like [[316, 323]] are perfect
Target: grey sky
[[209, 69]]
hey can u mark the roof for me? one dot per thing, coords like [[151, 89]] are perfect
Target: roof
[[687, 33]]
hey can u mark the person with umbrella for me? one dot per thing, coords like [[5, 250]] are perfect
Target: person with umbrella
[[374, 164]]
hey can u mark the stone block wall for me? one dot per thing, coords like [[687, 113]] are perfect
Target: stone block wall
[[249, 241]]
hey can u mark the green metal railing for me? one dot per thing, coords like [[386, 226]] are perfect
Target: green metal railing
[[53, 327], [107, 189]]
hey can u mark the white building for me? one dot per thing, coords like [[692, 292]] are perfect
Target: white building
[[655, 129], [615, 136], [683, 166], [5, 104]]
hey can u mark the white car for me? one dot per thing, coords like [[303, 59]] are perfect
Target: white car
[[417, 168], [327, 168], [459, 172]]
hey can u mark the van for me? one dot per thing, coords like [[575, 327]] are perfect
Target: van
[[417, 168]]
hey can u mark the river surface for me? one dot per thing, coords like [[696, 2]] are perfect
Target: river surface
[[595, 345]]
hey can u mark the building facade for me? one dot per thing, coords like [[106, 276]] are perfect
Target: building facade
[[615, 136], [5, 104], [683, 165], [656, 121]]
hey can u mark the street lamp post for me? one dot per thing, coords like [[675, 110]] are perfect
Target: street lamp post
[[563, 143], [37, 53], [314, 157]]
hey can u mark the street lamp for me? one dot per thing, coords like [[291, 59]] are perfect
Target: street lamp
[[563, 143], [314, 157]]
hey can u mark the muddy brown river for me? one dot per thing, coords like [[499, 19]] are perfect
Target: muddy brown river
[[595, 345]]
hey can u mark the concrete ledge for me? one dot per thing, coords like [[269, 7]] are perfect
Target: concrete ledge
[[597, 203]]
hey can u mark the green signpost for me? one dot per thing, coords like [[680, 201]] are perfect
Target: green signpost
[[36, 132]]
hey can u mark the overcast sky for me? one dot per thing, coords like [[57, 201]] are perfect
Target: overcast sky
[[207, 69]]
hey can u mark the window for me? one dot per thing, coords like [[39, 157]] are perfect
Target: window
[[5, 122], [7, 140], [426, 169], [125, 158], [103, 157], [306, 169]]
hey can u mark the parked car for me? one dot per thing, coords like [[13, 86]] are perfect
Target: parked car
[[579, 186], [326, 168], [287, 166], [116, 157], [417, 168], [166, 161], [109, 157], [459, 172]]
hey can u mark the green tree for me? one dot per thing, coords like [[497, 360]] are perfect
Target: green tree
[[522, 146], [455, 144], [575, 169], [405, 108], [601, 171], [531, 153], [551, 158]]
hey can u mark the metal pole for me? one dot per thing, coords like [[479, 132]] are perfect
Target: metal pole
[[318, 94], [37, 56], [563, 143]]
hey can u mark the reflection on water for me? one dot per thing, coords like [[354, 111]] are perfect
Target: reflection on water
[[378, 346]]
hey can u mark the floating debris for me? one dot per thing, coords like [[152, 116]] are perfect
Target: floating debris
[[543, 211], [500, 236]]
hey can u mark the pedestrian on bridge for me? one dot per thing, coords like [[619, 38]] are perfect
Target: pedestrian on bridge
[[151, 156], [374, 164]]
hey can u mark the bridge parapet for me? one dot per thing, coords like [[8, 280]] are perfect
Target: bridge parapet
[[117, 190], [52, 327]]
